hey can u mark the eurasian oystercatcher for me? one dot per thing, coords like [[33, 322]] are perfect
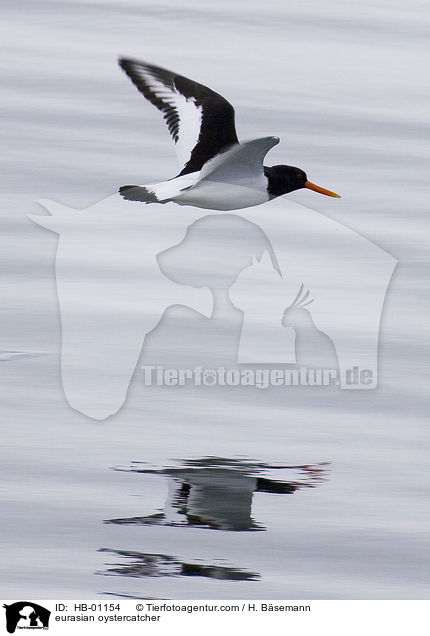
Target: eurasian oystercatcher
[[218, 172]]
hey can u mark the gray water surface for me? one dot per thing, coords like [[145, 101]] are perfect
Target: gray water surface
[[211, 492]]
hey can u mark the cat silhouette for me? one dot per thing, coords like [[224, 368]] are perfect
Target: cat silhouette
[[260, 292]]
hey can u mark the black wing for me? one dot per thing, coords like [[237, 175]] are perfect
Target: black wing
[[200, 121]]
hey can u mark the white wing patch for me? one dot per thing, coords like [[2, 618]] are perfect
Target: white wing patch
[[190, 119]]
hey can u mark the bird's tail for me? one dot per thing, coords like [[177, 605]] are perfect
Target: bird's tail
[[139, 193]]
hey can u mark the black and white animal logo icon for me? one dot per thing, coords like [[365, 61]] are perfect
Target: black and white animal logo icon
[[26, 615]]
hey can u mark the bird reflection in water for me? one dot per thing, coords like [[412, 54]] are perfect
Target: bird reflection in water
[[140, 564], [217, 493]]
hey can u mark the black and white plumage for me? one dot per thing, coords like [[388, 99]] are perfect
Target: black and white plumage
[[217, 172], [200, 122]]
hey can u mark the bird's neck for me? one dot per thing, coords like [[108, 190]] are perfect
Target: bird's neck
[[274, 184]]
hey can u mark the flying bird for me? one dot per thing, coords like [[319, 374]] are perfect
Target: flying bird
[[217, 172]]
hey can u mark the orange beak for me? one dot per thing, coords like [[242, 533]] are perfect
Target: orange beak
[[316, 188]]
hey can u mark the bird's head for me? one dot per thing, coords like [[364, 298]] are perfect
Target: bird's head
[[284, 179]]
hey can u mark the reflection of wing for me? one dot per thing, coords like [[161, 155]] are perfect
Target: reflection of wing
[[200, 121], [242, 162]]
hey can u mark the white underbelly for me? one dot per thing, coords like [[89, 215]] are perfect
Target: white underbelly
[[214, 195]]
